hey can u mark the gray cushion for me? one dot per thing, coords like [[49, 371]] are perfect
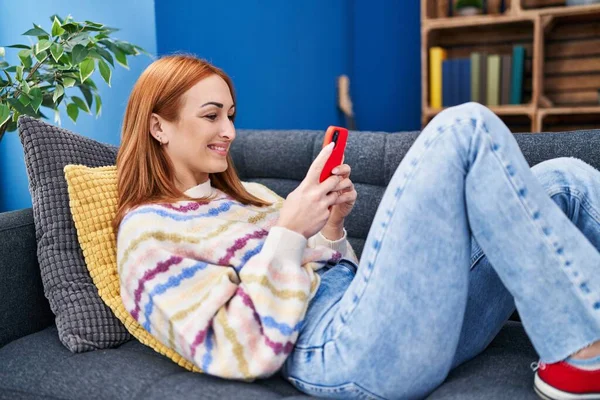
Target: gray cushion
[[39, 365], [84, 322], [23, 308]]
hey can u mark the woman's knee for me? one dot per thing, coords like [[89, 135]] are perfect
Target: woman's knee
[[565, 172]]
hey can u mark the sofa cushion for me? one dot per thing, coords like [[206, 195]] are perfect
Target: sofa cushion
[[37, 365], [23, 309], [93, 199], [84, 322]]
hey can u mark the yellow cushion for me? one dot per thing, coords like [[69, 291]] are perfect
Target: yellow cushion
[[93, 203]]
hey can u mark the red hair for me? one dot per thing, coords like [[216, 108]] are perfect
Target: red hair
[[145, 174]]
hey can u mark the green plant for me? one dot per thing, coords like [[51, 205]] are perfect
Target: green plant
[[54, 64], [469, 3]]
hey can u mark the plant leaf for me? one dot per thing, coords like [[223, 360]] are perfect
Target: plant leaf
[[81, 104], [25, 57], [121, 58], [105, 71], [36, 98], [19, 72], [25, 86], [78, 54], [68, 82], [24, 99], [2, 54], [70, 27], [42, 45], [59, 91], [57, 30], [41, 56], [5, 113], [10, 81], [56, 50], [107, 56], [19, 46], [57, 116], [87, 68], [87, 94], [73, 112], [36, 32], [98, 105]]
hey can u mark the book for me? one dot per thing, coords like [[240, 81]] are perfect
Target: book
[[518, 70], [505, 78], [475, 71], [483, 79], [493, 80], [465, 80], [436, 56], [446, 81]]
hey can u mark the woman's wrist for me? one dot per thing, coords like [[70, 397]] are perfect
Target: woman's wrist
[[333, 233]]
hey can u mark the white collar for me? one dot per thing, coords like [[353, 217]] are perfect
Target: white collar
[[201, 190]]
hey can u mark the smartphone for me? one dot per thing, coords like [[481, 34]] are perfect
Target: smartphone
[[339, 136]]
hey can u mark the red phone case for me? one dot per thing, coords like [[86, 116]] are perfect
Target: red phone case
[[336, 157]]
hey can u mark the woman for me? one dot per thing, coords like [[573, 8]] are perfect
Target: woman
[[245, 284]]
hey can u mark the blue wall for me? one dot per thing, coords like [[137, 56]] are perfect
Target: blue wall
[[136, 20], [284, 57], [386, 74]]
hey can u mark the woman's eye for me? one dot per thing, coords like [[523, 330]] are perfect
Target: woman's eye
[[231, 117], [212, 117]]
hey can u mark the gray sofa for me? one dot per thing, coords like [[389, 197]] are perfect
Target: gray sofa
[[34, 364]]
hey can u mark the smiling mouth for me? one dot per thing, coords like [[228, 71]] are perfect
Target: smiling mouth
[[218, 149]]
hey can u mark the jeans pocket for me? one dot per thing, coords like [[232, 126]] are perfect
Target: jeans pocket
[[348, 390]]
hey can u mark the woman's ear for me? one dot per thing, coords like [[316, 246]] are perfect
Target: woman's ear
[[156, 129]]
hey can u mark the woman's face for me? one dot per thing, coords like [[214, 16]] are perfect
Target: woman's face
[[198, 143]]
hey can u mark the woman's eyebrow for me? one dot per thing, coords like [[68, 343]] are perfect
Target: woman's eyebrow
[[214, 103]]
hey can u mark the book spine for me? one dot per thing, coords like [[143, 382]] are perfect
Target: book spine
[[493, 80], [466, 80], [518, 66], [446, 80], [436, 56], [506, 78], [483, 79], [475, 70]]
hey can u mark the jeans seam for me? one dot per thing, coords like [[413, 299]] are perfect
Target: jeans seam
[[428, 143], [561, 259]]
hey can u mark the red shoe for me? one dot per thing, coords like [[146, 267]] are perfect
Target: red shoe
[[563, 381]]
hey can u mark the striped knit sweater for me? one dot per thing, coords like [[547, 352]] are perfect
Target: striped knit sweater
[[217, 283]]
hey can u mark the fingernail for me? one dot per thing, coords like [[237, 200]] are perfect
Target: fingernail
[[336, 170], [330, 146]]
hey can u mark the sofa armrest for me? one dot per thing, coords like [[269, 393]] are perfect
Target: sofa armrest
[[23, 307]]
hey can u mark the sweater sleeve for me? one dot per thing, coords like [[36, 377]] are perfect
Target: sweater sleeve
[[342, 245], [232, 325]]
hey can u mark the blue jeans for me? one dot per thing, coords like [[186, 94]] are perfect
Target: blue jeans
[[413, 310]]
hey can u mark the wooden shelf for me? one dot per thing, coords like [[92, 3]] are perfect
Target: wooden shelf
[[570, 110], [476, 20], [562, 45], [525, 109], [563, 11], [506, 18]]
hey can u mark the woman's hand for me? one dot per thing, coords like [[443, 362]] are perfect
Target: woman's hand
[[345, 202], [306, 210]]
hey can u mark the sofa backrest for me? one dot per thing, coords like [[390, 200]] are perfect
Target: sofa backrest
[[280, 159]]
